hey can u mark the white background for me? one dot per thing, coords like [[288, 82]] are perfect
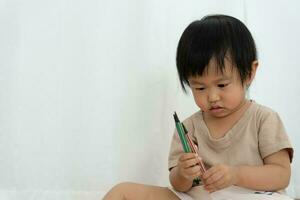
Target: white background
[[88, 88]]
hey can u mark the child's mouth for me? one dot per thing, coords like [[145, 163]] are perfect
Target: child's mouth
[[216, 109]]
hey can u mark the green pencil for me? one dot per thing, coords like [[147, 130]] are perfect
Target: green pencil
[[181, 134], [186, 147]]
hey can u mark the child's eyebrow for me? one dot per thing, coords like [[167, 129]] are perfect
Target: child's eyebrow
[[194, 82], [223, 78]]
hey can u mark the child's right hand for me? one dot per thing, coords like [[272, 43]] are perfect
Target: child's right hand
[[188, 166]]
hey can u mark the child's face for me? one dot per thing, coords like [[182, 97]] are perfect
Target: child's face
[[218, 94]]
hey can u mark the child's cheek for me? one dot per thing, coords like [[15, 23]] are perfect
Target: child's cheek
[[200, 103]]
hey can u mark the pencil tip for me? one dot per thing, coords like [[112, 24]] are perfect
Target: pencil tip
[[175, 117]]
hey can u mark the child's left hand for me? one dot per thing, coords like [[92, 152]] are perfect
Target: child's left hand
[[219, 176]]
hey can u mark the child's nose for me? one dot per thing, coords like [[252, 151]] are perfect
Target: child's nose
[[213, 96]]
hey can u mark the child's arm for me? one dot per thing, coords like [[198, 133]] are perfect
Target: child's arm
[[272, 176], [182, 176]]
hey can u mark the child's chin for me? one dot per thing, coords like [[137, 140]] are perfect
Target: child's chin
[[218, 113]]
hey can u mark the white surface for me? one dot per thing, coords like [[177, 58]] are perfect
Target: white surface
[[88, 88], [231, 193], [238, 193]]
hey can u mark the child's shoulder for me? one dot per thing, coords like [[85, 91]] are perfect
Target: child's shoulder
[[193, 119], [262, 110], [262, 114]]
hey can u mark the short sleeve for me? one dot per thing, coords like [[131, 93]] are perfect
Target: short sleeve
[[176, 148], [272, 136]]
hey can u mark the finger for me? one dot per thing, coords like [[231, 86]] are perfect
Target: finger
[[217, 184], [192, 174], [194, 170], [221, 184], [189, 163], [196, 174], [210, 172], [210, 188], [187, 156], [214, 177], [196, 146]]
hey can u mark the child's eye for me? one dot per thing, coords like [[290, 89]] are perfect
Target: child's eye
[[201, 88], [222, 85]]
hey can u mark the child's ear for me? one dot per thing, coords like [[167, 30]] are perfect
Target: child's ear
[[254, 66]]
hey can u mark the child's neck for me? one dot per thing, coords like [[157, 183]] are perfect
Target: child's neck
[[218, 127]]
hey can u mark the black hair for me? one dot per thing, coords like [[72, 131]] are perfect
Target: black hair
[[215, 36]]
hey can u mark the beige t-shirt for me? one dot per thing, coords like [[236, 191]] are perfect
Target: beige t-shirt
[[257, 134]]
